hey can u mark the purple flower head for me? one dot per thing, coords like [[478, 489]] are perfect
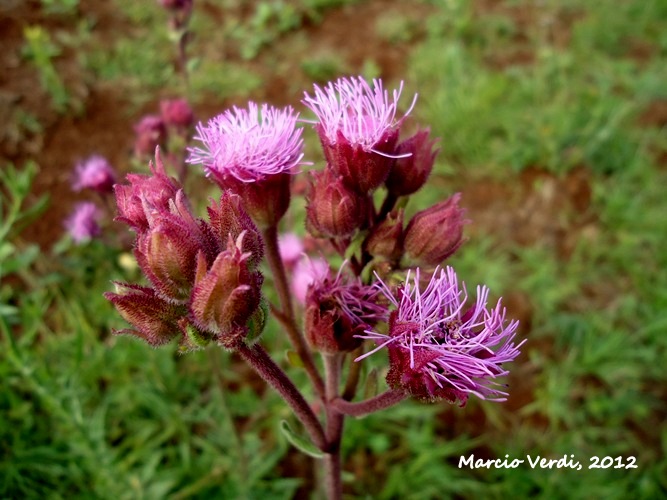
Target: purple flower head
[[439, 348], [82, 224], [358, 129], [338, 310], [351, 109], [248, 144], [94, 173]]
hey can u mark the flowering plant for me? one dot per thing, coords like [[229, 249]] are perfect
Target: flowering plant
[[206, 280]]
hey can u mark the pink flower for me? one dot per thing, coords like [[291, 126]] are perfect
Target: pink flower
[[438, 347], [94, 173], [82, 224], [306, 271], [249, 144], [150, 133], [358, 129], [290, 247]]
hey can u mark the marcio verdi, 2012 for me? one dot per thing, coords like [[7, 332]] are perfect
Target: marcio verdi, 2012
[[539, 462]]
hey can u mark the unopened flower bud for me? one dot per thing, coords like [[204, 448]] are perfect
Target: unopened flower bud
[[386, 239], [176, 112], [154, 320], [150, 133], [435, 233], [226, 296], [145, 191], [229, 219], [167, 254], [334, 210], [412, 168]]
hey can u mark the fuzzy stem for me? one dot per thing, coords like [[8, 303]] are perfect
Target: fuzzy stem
[[262, 363], [334, 430], [353, 373], [379, 402], [280, 280]]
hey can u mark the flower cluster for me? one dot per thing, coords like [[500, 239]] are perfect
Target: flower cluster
[[205, 283], [204, 276]]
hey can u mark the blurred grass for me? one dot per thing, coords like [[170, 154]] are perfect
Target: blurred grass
[[84, 414]]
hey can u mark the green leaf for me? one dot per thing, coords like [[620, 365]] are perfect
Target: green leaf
[[299, 442]]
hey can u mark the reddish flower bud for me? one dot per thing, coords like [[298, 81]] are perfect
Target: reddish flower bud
[[435, 233], [229, 219], [386, 239], [334, 210], [409, 173], [176, 112], [167, 254], [155, 320], [150, 133], [145, 192], [226, 296]]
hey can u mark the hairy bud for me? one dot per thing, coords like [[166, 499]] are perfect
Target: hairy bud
[[409, 173], [334, 210], [435, 233], [386, 239], [226, 296]]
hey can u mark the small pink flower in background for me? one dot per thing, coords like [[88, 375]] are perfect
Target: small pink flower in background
[[150, 133], [249, 144], [176, 112], [306, 271], [440, 348], [82, 224], [94, 173], [290, 247]]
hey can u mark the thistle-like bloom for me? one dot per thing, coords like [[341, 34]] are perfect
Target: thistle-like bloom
[[82, 224], [95, 173], [441, 348], [338, 310], [358, 129], [248, 144], [253, 153]]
